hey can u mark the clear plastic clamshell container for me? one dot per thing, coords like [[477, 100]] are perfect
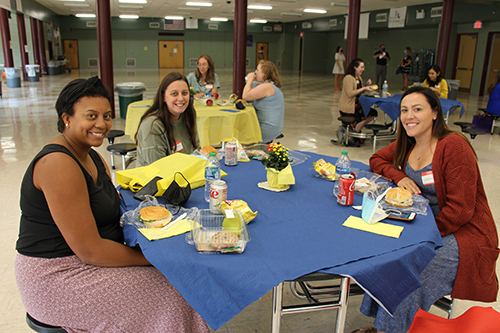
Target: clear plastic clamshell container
[[219, 233], [366, 179]]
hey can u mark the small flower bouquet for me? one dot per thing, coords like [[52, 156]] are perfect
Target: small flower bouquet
[[191, 92], [277, 163]]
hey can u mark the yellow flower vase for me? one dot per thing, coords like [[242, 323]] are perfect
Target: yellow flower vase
[[280, 179]]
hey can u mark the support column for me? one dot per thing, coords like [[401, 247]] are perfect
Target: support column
[[352, 30], [240, 47], [34, 39], [7, 51], [444, 35], [105, 47], [23, 43], [41, 47]]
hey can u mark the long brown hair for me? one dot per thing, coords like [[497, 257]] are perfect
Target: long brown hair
[[160, 110], [210, 71], [493, 84], [440, 129], [351, 68], [270, 72]]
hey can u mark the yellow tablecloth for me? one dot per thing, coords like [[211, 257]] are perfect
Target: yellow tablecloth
[[214, 126]]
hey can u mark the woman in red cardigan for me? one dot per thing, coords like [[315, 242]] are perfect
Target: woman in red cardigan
[[430, 159]]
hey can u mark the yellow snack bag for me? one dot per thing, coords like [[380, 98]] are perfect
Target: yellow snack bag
[[325, 169], [240, 206]]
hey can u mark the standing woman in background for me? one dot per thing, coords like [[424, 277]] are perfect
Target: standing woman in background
[[436, 82], [204, 80], [338, 69], [267, 99], [405, 67]]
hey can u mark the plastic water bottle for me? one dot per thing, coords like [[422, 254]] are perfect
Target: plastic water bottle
[[385, 89], [212, 173], [343, 165]]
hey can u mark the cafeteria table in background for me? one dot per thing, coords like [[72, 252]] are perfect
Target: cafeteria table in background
[[214, 126], [390, 105], [296, 232]]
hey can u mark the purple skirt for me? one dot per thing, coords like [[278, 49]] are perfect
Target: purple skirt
[[85, 298]]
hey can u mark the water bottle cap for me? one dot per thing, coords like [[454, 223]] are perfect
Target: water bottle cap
[[344, 152], [212, 155]]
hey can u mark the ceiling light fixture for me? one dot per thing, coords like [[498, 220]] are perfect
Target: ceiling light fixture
[[85, 15], [258, 21], [199, 4], [315, 11], [73, 0], [176, 18], [339, 4], [77, 5], [291, 14], [133, 1], [124, 16], [219, 19], [131, 6], [188, 8], [260, 7]]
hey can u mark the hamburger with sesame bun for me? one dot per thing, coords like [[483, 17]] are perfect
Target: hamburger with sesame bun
[[155, 216]]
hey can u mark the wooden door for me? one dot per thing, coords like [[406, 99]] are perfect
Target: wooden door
[[494, 65], [171, 54], [71, 52], [262, 53], [465, 59]]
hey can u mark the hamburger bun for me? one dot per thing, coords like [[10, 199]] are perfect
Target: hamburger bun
[[206, 150], [373, 87], [155, 216], [399, 197]]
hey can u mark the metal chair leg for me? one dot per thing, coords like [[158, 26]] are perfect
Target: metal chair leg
[[277, 306], [343, 302], [123, 162]]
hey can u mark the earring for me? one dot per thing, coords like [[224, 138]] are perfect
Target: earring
[[67, 125]]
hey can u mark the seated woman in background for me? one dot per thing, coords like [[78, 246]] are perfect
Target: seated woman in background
[[493, 105], [352, 88], [263, 88], [204, 80], [428, 158], [72, 267], [436, 82], [169, 125]]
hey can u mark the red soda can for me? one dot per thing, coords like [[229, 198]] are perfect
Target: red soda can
[[345, 194], [218, 193], [231, 154]]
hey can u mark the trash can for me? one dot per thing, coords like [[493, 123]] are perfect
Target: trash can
[[129, 92], [52, 68], [62, 66], [13, 76], [453, 86], [33, 72]]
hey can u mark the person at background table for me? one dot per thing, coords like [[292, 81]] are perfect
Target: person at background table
[[405, 67], [338, 68], [72, 268], [169, 125], [263, 88], [493, 105], [430, 159], [204, 80], [382, 57], [352, 88], [435, 82]]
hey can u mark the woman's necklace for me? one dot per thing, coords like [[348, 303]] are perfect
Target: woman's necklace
[[422, 153], [78, 158]]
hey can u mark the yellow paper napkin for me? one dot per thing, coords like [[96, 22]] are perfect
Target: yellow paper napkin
[[380, 228], [180, 227]]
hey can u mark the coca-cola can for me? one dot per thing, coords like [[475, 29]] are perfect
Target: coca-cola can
[[218, 193], [345, 194], [231, 154]]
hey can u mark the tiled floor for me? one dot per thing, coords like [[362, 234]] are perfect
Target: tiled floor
[[28, 121]]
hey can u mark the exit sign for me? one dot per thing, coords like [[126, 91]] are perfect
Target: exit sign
[[478, 24]]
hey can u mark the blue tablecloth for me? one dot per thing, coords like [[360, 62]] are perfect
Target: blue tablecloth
[[296, 232], [390, 105]]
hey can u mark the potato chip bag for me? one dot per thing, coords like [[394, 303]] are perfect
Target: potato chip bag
[[325, 169], [240, 206]]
